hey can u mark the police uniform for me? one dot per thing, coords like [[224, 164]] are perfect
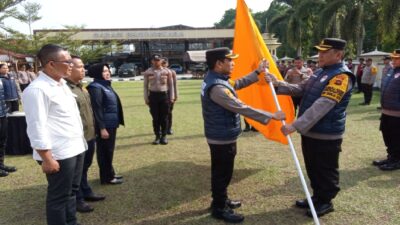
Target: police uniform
[[221, 109], [390, 118], [158, 92], [321, 123]]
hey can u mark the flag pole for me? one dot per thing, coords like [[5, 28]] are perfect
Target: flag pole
[[296, 160]]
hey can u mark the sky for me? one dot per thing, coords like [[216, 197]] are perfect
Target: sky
[[131, 13]]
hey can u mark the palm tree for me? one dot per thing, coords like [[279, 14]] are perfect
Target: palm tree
[[298, 19]]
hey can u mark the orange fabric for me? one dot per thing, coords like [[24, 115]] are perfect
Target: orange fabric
[[250, 46]]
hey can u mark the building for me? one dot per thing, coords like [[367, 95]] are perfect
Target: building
[[172, 42]]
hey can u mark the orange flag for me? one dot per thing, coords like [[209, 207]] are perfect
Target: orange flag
[[250, 46]]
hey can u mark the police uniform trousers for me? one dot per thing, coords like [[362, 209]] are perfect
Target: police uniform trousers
[[12, 106], [321, 158], [159, 109], [222, 164], [390, 127], [367, 90]]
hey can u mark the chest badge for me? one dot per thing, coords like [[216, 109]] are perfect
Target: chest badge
[[323, 78]]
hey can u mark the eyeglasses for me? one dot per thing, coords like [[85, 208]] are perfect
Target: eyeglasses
[[66, 62]]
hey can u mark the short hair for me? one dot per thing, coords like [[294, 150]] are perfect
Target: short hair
[[369, 60], [361, 59], [298, 58], [2, 64], [75, 57], [49, 52]]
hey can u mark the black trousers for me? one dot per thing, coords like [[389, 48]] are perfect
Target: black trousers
[[169, 119], [3, 138], [390, 131], [159, 109], [12, 106], [296, 102], [321, 158], [105, 155], [367, 89], [62, 186], [222, 164], [359, 85], [84, 187]]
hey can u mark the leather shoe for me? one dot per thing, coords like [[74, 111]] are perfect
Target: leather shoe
[[9, 169], [113, 181], [3, 173], [304, 203], [391, 165], [83, 207], [94, 197], [380, 162], [156, 141], [170, 132], [118, 176], [233, 204], [164, 140], [227, 215], [321, 209]]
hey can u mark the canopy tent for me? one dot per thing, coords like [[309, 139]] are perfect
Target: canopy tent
[[285, 58], [195, 56]]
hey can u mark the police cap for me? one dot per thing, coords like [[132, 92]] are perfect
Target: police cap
[[395, 54], [215, 54], [331, 43]]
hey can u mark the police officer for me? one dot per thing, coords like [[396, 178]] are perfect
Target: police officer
[[221, 109], [11, 89], [165, 64], [321, 121], [390, 119], [158, 94]]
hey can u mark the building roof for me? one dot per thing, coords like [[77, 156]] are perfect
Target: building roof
[[375, 53], [194, 56]]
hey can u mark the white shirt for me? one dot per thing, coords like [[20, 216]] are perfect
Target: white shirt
[[53, 119]]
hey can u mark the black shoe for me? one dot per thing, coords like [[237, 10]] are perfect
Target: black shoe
[[156, 141], [233, 204], [304, 203], [9, 169], [254, 129], [94, 197], [170, 132], [380, 162], [321, 209], [113, 181], [391, 165], [227, 215], [379, 108], [83, 207], [3, 173], [164, 140], [118, 176]]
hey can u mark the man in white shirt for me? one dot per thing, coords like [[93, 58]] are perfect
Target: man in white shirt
[[56, 133]]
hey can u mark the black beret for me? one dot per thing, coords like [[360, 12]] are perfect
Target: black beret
[[331, 43]]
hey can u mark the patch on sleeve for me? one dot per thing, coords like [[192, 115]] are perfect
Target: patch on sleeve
[[336, 88], [231, 82], [229, 93]]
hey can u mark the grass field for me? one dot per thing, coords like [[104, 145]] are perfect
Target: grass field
[[171, 184]]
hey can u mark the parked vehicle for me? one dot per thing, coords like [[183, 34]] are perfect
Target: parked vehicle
[[177, 68], [127, 70]]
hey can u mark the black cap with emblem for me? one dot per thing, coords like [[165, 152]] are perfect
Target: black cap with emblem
[[395, 54], [215, 54], [331, 43]]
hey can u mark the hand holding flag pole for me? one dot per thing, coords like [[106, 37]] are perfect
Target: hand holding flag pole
[[296, 160]]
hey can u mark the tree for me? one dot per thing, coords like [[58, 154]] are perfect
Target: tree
[[228, 19], [7, 9], [30, 15]]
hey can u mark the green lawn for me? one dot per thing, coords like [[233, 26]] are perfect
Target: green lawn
[[171, 184]]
